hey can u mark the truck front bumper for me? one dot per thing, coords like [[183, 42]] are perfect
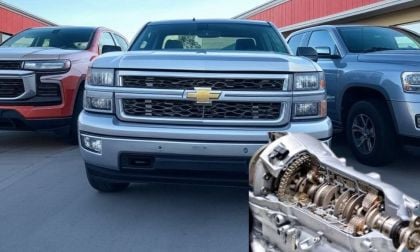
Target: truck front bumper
[[408, 121], [165, 153]]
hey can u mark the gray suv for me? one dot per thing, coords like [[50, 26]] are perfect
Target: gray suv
[[373, 85], [191, 101]]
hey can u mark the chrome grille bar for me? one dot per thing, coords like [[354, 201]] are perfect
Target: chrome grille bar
[[145, 102]]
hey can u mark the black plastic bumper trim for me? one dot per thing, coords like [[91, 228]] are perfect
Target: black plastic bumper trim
[[170, 176], [12, 120]]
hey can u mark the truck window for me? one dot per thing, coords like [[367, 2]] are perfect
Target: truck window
[[370, 39], [296, 41], [322, 39], [210, 36]]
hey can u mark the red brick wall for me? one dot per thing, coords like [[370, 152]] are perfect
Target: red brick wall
[[297, 11], [12, 22]]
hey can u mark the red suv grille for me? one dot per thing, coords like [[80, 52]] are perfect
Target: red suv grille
[[10, 88]]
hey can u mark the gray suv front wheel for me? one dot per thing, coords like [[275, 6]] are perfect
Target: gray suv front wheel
[[370, 133]]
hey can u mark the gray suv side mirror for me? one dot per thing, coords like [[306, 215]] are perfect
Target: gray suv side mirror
[[307, 52], [323, 51]]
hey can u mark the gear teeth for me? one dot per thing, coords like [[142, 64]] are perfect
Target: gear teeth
[[295, 166]]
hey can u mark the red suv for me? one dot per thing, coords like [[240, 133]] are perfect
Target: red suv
[[42, 75]]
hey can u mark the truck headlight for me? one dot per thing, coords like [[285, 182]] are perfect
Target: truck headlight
[[96, 101], [100, 77], [308, 81], [411, 81], [310, 110], [47, 65]]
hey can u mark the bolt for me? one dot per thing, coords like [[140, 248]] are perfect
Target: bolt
[[279, 219], [417, 222], [264, 190]]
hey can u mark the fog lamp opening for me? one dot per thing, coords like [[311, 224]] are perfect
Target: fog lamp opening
[[418, 121], [92, 144]]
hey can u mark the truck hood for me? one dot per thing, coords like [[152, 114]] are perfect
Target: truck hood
[[34, 53], [206, 61], [400, 57]]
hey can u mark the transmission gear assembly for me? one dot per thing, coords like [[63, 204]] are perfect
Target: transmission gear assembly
[[304, 198]]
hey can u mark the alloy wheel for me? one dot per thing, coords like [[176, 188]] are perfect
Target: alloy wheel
[[363, 133]]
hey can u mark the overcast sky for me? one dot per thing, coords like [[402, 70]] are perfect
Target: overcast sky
[[128, 16]]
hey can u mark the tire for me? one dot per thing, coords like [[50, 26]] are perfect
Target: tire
[[78, 107], [378, 130], [105, 186]]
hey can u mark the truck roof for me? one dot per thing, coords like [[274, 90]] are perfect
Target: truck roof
[[337, 26], [64, 27], [213, 21]]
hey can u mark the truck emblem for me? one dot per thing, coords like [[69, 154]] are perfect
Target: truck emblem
[[203, 95]]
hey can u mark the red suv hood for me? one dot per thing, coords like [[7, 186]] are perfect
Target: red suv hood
[[34, 53]]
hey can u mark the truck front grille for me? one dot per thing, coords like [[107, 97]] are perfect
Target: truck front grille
[[10, 88], [214, 83], [190, 110], [10, 65]]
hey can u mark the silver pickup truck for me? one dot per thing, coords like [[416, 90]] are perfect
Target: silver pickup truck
[[191, 101]]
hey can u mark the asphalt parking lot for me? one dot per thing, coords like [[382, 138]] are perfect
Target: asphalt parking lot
[[47, 205]]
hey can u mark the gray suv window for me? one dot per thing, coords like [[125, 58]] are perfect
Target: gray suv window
[[322, 39], [370, 39], [296, 41]]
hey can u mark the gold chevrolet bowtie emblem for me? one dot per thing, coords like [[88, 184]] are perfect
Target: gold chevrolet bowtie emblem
[[203, 95]]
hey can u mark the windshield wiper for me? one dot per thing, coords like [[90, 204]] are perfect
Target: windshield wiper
[[376, 49]]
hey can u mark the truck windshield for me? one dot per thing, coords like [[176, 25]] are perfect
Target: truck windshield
[[210, 36], [64, 38], [370, 39]]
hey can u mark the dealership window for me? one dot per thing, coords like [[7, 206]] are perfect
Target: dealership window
[[322, 39]]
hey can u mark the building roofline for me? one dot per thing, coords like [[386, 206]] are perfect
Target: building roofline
[[26, 14], [259, 9], [349, 15]]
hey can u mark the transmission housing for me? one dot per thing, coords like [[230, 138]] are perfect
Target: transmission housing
[[304, 198]]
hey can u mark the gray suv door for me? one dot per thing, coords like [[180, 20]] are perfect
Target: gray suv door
[[329, 60]]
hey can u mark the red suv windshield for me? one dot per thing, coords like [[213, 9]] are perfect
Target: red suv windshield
[[64, 38]]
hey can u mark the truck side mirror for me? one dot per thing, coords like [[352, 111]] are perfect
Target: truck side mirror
[[307, 52], [110, 48]]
